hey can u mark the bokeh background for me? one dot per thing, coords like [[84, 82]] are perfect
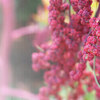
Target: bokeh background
[[22, 48], [26, 13], [23, 76]]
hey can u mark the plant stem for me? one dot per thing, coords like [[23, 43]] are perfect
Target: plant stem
[[94, 62], [8, 26]]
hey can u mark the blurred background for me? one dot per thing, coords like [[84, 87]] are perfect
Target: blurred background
[[22, 48], [23, 27], [22, 75]]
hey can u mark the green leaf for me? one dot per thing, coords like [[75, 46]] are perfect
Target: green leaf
[[90, 96]]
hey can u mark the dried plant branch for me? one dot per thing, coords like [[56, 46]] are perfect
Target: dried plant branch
[[19, 93], [8, 26]]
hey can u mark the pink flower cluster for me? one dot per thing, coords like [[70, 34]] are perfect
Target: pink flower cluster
[[92, 46], [73, 44]]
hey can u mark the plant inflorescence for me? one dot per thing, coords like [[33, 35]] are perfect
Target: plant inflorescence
[[73, 44]]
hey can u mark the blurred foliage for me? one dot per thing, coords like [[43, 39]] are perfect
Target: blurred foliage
[[90, 96], [94, 7], [24, 10], [41, 17]]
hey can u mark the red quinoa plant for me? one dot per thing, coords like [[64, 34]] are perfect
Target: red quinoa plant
[[73, 45]]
